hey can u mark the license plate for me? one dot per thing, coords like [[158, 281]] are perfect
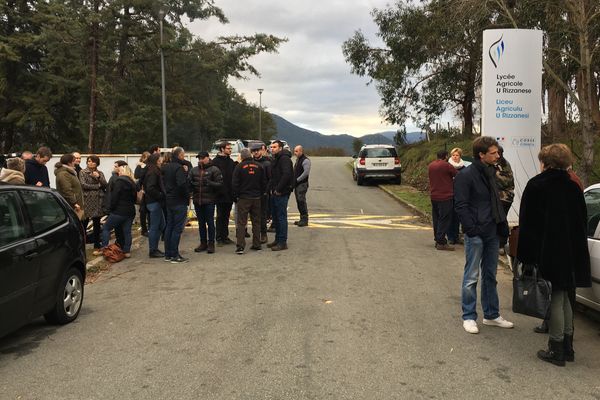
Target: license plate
[[379, 164]]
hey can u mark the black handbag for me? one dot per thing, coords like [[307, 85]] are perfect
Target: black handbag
[[531, 293]]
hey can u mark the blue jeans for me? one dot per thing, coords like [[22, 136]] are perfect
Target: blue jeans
[[206, 221], [175, 224], [157, 224], [122, 226], [481, 253], [279, 211]]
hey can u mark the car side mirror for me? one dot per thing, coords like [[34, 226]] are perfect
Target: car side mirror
[[354, 156]]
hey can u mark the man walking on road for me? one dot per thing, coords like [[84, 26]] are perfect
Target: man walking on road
[[177, 190], [280, 187], [301, 173], [249, 184], [480, 211], [224, 162], [441, 183]]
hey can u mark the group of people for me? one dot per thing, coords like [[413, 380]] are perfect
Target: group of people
[[552, 232], [259, 184]]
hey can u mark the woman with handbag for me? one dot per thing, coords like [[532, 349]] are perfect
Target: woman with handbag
[[93, 184], [121, 209], [552, 235]]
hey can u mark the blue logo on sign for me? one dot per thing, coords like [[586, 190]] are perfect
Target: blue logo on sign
[[496, 51]]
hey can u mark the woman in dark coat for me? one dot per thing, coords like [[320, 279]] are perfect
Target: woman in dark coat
[[121, 209], [553, 236], [154, 192], [94, 185]]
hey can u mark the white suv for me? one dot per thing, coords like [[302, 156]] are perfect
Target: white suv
[[377, 161]]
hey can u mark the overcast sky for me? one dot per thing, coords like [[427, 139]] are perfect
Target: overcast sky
[[307, 82]]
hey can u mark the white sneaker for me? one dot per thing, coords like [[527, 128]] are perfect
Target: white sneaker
[[470, 326], [499, 322]]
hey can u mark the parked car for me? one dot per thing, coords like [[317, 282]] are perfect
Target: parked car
[[591, 296], [42, 257], [377, 161], [249, 143], [236, 146]]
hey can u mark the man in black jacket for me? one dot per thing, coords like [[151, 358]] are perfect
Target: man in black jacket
[[249, 184], [36, 172], [206, 182], [477, 203], [301, 173], [177, 190], [280, 187], [259, 153], [224, 162]]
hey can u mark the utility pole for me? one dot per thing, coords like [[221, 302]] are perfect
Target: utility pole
[[260, 114], [161, 16]]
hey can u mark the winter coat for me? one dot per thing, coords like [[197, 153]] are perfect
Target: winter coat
[[505, 180], [226, 165], [36, 172], [552, 230], [177, 185], [473, 203], [139, 174], [123, 196], [206, 181], [249, 180], [68, 185], [11, 176], [93, 192], [154, 187], [282, 173]]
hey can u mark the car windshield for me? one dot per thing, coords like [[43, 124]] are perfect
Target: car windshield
[[378, 153]]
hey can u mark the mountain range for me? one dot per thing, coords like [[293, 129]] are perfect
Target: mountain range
[[295, 135]]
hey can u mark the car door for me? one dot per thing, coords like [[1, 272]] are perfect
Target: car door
[[18, 266], [51, 228], [592, 201]]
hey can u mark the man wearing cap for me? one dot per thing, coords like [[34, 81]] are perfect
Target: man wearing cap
[[259, 153], [249, 184], [206, 180]]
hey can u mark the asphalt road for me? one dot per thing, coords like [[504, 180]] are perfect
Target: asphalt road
[[361, 306]]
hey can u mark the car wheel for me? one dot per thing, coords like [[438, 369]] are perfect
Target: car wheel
[[353, 175], [69, 298], [398, 180], [360, 181]]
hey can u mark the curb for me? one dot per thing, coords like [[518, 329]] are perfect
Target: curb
[[413, 208]]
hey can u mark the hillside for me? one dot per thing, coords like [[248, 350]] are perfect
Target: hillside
[[295, 135]]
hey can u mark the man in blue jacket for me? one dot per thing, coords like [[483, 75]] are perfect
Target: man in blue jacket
[[477, 203]]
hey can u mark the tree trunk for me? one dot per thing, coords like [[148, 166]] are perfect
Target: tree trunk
[[557, 115], [93, 80]]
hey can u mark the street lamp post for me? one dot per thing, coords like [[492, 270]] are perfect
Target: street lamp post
[[260, 114], [161, 16]]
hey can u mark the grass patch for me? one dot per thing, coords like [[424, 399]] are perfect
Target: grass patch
[[412, 196]]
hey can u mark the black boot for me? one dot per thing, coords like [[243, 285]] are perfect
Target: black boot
[[555, 353], [568, 346], [542, 328]]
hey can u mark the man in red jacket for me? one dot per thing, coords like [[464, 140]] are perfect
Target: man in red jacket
[[441, 188]]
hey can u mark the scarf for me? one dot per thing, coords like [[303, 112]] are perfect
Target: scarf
[[488, 173], [457, 165]]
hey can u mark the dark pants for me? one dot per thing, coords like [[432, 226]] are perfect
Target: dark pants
[[300, 193], [157, 225], [245, 207], [175, 224], [96, 231], [144, 216], [122, 226], [442, 216], [222, 228], [206, 222], [454, 229], [279, 212]]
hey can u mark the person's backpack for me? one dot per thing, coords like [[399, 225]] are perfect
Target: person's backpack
[[113, 253]]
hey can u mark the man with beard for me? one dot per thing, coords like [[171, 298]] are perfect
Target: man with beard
[[280, 187]]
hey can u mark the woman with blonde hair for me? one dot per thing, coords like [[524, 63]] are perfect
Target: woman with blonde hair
[[454, 230], [553, 236], [121, 209]]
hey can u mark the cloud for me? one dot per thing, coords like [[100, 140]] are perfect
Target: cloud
[[307, 82]]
